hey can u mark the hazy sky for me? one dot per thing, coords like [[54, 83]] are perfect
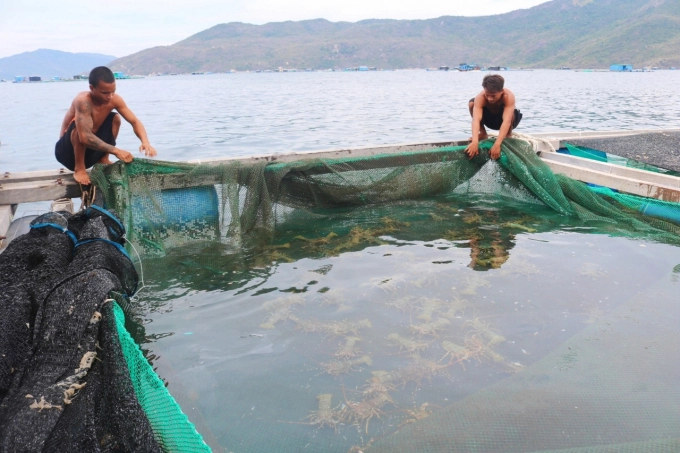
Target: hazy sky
[[122, 27]]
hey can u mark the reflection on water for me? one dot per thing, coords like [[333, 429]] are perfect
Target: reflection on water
[[372, 324]]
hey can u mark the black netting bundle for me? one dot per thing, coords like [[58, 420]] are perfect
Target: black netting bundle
[[65, 382]]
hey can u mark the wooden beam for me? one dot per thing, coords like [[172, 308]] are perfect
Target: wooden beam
[[42, 190], [612, 180], [565, 136], [378, 161], [6, 216], [334, 153], [42, 175], [52, 184], [618, 170]]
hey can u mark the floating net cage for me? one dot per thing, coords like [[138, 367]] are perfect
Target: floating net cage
[[245, 205], [417, 360]]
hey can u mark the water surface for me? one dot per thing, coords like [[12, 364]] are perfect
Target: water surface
[[209, 116]]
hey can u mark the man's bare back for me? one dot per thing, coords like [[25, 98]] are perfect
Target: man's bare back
[[89, 112]]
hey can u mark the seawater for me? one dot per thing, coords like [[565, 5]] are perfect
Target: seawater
[[401, 317], [205, 117], [462, 320], [211, 116]]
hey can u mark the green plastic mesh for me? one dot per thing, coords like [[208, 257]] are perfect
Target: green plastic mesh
[[242, 206], [167, 204], [655, 446], [173, 431], [599, 385]]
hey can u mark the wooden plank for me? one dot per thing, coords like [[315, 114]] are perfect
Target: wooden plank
[[597, 134], [49, 185], [334, 153], [621, 183], [555, 138], [162, 182], [41, 175], [626, 172], [6, 216], [27, 192]]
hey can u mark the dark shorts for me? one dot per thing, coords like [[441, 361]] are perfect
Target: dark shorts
[[494, 121], [65, 154]]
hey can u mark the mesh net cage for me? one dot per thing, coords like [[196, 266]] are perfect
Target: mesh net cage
[[72, 379], [247, 208], [244, 216], [166, 205], [572, 397]]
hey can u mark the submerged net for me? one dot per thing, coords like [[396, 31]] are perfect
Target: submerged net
[[600, 391], [255, 211], [244, 216], [242, 205], [70, 380]]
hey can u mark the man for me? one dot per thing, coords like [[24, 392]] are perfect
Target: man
[[493, 107], [90, 128]]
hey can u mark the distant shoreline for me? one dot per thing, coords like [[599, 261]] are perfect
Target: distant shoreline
[[295, 70]]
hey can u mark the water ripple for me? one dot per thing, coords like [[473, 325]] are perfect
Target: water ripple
[[210, 116]]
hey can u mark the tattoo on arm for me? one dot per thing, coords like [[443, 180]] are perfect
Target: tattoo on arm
[[84, 125], [94, 142], [84, 108]]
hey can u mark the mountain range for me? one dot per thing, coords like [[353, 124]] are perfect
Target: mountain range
[[558, 33], [50, 63]]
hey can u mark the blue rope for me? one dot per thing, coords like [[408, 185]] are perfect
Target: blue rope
[[120, 248], [109, 215], [57, 227]]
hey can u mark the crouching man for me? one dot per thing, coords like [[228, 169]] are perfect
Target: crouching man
[[90, 128], [493, 107]]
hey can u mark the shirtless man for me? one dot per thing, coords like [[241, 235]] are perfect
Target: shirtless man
[[90, 128], [493, 107]]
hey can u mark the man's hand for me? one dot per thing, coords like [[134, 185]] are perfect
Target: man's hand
[[123, 155], [472, 150], [495, 152], [147, 149]]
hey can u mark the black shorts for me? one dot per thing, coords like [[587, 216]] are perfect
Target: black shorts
[[495, 120], [65, 154]]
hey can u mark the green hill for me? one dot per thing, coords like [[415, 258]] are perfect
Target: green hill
[[574, 33]]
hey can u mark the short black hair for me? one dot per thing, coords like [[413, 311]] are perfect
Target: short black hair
[[493, 83], [101, 74]]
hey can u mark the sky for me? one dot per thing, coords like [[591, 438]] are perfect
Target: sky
[[123, 27]]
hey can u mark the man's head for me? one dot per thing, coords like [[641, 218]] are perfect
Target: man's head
[[102, 84], [493, 87]]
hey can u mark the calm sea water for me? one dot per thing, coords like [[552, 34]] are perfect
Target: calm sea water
[[414, 342], [208, 116]]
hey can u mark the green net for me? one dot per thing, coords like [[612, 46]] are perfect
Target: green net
[[597, 386], [230, 221], [173, 431], [241, 205]]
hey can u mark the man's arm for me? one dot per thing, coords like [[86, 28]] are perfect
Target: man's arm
[[508, 114], [84, 125], [70, 115], [137, 126], [477, 112]]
